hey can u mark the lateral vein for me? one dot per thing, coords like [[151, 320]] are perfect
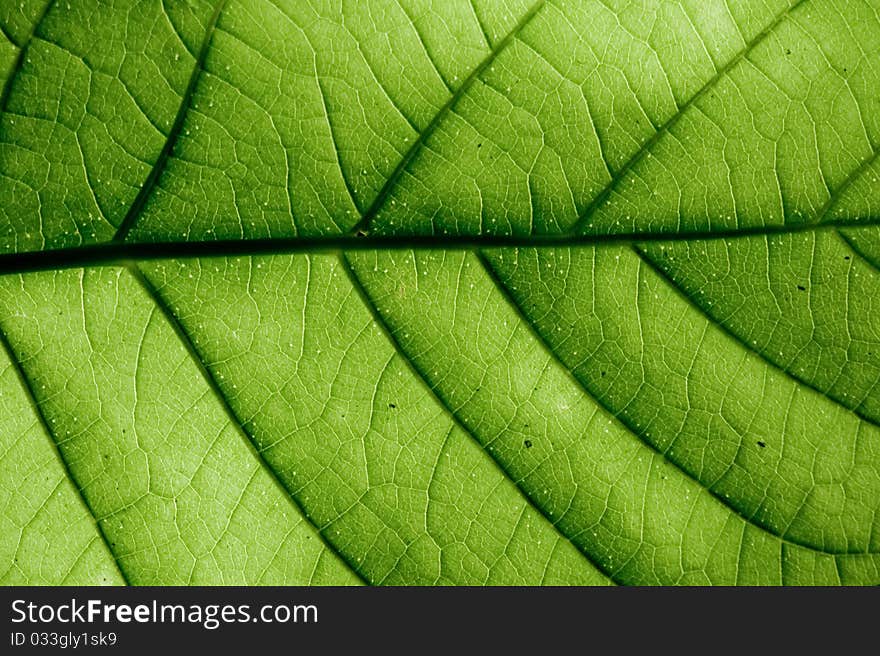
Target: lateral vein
[[502, 289], [646, 147], [38, 410], [140, 200], [366, 219], [248, 437], [389, 335]]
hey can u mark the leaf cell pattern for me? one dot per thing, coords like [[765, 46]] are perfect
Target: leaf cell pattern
[[413, 292]]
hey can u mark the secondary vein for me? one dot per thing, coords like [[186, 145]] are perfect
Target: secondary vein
[[368, 302], [20, 58], [370, 213], [249, 440], [859, 251], [668, 279], [502, 289], [38, 410], [137, 206], [646, 147]]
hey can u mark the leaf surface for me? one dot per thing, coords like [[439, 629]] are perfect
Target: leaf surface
[[400, 292]]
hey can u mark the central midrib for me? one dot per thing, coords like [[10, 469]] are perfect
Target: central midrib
[[116, 252], [119, 250], [98, 254]]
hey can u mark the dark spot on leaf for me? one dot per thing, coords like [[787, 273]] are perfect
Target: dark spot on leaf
[[788, 51], [761, 444], [528, 444], [846, 257], [602, 373], [802, 288], [479, 145], [392, 406]]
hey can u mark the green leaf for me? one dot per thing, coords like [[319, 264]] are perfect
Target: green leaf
[[471, 292]]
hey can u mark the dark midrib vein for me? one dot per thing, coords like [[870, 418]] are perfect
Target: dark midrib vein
[[370, 304], [668, 279], [624, 421], [370, 213], [647, 146], [143, 195], [247, 437], [116, 252], [38, 410], [22, 54]]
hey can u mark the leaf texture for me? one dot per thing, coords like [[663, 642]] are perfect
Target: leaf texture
[[406, 292]]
